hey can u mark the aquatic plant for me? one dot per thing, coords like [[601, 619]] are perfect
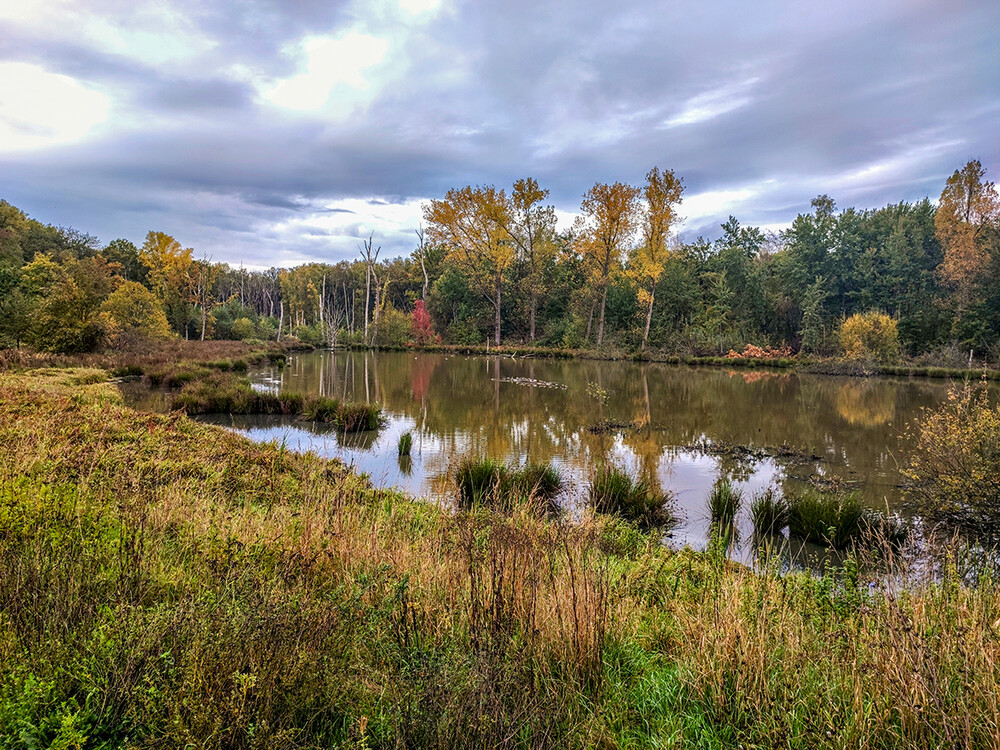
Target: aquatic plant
[[538, 482], [359, 417], [724, 502], [614, 491], [405, 443], [479, 482], [500, 486], [315, 408], [829, 519], [769, 512]]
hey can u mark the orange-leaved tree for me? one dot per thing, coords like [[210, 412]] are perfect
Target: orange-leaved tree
[[967, 208]]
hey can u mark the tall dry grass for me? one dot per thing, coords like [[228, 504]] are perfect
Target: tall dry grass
[[168, 583]]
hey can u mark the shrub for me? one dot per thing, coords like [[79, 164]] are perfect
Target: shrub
[[242, 329], [954, 470], [393, 328], [614, 491], [870, 335]]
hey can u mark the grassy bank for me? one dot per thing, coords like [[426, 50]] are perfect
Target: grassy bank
[[170, 584], [136, 357]]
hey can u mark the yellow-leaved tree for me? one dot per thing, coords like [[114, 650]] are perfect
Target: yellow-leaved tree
[[470, 223], [531, 228], [662, 194], [172, 276], [132, 308], [609, 220]]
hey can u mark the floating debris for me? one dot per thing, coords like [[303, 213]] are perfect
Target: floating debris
[[609, 426], [532, 383], [751, 453]]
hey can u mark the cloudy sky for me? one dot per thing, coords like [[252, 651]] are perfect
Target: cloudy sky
[[276, 132]]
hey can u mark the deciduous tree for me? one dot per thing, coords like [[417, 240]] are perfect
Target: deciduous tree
[[610, 217], [967, 207], [470, 223], [662, 194]]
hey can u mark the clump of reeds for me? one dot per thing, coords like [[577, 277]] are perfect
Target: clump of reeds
[[319, 408], [832, 519], [359, 417], [839, 520], [500, 486], [724, 502], [769, 512], [614, 491], [541, 482], [405, 443]]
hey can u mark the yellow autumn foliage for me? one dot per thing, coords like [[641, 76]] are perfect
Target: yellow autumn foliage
[[871, 336]]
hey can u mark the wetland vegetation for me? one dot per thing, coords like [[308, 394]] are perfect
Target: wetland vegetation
[[169, 583]]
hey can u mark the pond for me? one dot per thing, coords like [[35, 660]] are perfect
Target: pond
[[685, 426]]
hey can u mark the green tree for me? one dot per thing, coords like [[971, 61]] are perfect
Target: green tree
[[812, 316]]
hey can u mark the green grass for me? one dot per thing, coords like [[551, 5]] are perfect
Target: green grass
[[832, 519], [724, 502]]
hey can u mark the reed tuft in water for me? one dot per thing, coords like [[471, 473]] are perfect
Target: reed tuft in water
[[404, 445], [500, 486], [769, 512], [829, 519], [724, 502], [615, 492]]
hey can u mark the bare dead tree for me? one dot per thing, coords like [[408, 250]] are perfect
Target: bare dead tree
[[369, 254]]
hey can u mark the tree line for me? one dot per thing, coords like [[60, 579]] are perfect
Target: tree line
[[491, 265]]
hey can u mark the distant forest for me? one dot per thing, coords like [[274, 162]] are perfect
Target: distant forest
[[489, 265]]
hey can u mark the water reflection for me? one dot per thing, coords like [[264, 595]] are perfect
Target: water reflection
[[800, 428]]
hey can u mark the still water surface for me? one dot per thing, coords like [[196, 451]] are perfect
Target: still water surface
[[801, 429]]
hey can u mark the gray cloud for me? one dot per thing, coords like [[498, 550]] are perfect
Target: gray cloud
[[760, 105]]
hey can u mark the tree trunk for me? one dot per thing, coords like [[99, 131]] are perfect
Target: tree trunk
[[649, 314], [496, 335], [204, 319], [368, 292], [281, 317], [534, 307], [322, 299], [600, 327], [590, 319]]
